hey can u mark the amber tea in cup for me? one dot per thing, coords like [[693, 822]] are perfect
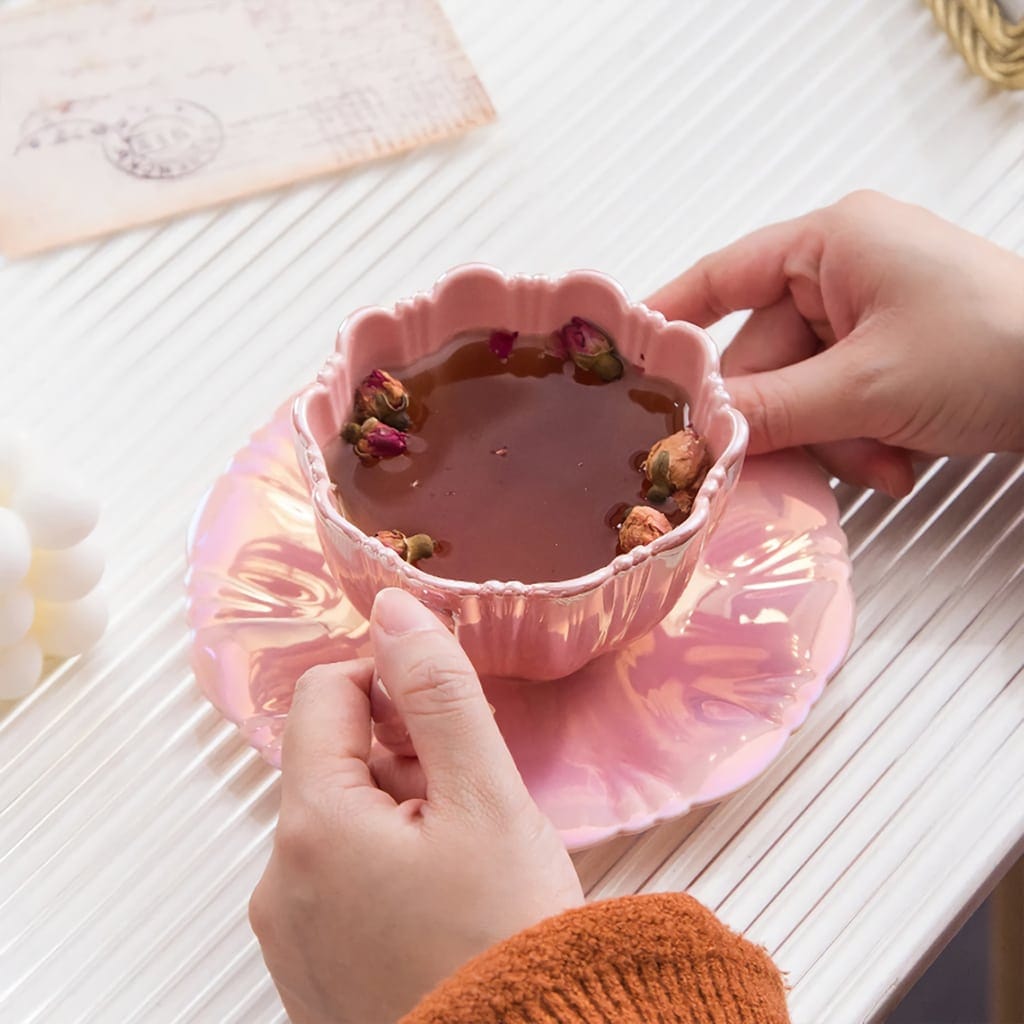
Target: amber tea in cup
[[517, 456]]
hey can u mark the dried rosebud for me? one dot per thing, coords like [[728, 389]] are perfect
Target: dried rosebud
[[641, 526], [379, 441], [413, 549], [591, 349], [382, 396], [501, 343], [418, 546], [684, 501], [676, 463], [393, 539], [351, 432]]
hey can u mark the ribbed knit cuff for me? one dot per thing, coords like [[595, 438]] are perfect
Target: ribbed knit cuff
[[635, 960]]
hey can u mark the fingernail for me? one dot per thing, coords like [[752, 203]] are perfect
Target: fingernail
[[388, 726], [893, 481], [398, 613], [381, 704]]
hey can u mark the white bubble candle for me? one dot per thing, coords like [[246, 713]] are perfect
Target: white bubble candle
[[50, 566]]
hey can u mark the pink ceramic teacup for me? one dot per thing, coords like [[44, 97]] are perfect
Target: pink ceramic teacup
[[524, 630]]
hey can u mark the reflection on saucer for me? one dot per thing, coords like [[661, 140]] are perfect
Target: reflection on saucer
[[686, 715]]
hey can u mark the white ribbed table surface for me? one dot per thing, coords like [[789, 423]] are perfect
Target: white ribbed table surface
[[632, 137]]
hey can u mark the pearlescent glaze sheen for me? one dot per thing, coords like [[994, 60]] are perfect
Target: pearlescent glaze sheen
[[687, 714]]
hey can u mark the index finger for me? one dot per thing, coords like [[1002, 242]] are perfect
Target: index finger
[[328, 726], [751, 273]]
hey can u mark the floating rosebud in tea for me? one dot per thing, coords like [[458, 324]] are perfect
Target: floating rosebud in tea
[[374, 440], [381, 396], [641, 526], [413, 548], [676, 463], [381, 442], [591, 349], [502, 342]]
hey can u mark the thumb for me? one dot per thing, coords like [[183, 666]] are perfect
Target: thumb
[[438, 695], [817, 400]]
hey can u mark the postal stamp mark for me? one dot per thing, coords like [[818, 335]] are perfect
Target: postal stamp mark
[[161, 139]]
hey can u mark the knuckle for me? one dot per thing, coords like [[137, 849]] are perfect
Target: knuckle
[[768, 413], [874, 380], [863, 202], [706, 270], [870, 363], [868, 376], [295, 841], [437, 688], [259, 912], [318, 675]]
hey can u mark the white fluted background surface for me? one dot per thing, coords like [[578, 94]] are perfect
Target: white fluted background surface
[[632, 137]]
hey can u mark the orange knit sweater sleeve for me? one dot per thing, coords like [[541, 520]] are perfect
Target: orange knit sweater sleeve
[[635, 960]]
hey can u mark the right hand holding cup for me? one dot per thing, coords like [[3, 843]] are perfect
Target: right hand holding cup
[[878, 331]]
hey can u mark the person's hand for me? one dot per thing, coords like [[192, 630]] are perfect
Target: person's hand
[[878, 330], [385, 879]]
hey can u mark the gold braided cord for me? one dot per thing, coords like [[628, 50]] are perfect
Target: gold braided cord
[[1000, 33], [992, 45]]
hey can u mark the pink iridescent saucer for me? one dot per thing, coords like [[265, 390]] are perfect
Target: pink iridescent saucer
[[684, 716]]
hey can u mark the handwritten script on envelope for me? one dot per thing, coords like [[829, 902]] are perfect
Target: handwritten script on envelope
[[115, 113]]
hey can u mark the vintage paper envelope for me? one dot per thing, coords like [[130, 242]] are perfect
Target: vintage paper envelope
[[119, 112]]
